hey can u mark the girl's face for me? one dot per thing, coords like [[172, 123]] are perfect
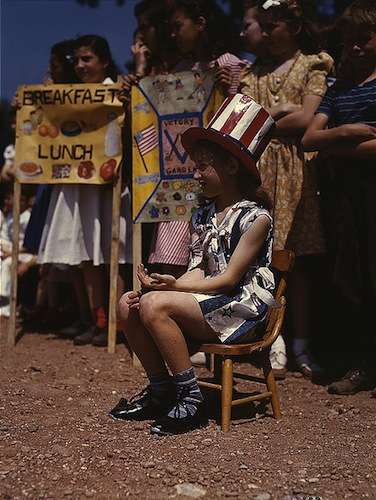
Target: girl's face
[[360, 47], [251, 34], [209, 173], [88, 67], [278, 35], [147, 32], [186, 32]]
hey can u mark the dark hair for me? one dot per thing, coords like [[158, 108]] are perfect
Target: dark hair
[[246, 180], [101, 49], [221, 34], [360, 14], [252, 192], [293, 12], [249, 4], [62, 52], [156, 13]]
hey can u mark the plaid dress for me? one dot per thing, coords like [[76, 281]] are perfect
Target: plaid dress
[[233, 315]]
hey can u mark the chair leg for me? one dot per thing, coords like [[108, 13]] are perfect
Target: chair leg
[[211, 362], [271, 384], [226, 397]]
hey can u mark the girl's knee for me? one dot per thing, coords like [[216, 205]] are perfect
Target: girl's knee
[[152, 305]]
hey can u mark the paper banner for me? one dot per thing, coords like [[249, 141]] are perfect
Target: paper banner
[[163, 107], [68, 134]]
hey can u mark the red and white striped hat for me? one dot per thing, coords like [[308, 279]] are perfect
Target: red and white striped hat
[[241, 126]]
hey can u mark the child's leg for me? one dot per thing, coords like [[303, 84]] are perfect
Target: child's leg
[[96, 289], [155, 333], [159, 394], [140, 341], [168, 317]]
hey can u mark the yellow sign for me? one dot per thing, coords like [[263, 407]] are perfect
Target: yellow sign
[[68, 134], [163, 107]]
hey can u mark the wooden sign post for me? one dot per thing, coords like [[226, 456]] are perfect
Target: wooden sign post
[[137, 259], [114, 263]]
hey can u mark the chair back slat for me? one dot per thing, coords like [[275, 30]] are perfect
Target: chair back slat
[[274, 323], [283, 262]]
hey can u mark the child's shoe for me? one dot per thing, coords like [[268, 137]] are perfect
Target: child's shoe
[[86, 337], [143, 406], [354, 381], [307, 366], [176, 423]]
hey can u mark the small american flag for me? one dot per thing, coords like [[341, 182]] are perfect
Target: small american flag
[[147, 139]]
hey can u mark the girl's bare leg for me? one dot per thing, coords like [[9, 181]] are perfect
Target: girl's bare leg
[[168, 317], [140, 341]]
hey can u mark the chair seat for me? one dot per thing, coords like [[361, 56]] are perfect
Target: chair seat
[[231, 349]]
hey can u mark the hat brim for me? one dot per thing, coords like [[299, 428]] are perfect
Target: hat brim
[[194, 134]]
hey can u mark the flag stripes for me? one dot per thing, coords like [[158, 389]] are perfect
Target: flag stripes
[[147, 139]]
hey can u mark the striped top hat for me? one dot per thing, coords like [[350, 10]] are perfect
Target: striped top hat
[[241, 126]]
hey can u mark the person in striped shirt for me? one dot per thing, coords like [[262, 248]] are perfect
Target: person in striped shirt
[[344, 130]]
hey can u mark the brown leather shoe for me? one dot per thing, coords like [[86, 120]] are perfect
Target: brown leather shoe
[[354, 381]]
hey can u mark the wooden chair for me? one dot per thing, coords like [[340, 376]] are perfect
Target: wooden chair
[[282, 262]]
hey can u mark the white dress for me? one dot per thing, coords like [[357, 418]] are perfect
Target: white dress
[[78, 225], [233, 315]]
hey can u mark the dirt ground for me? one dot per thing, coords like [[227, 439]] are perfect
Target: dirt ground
[[57, 441]]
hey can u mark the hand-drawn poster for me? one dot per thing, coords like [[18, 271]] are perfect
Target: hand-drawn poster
[[68, 134], [163, 107]]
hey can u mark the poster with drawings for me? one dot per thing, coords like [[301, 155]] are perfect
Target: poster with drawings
[[68, 134], [163, 107]]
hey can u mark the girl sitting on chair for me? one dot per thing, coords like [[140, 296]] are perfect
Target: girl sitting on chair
[[228, 286]]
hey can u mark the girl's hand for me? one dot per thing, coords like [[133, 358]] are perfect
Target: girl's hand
[[141, 55], [163, 281], [126, 82], [23, 268], [155, 281], [133, 300], [143, 276], [223, 78], [358, 131], [280, 110]]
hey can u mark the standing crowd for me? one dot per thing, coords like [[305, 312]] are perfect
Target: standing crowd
[[318, 193]]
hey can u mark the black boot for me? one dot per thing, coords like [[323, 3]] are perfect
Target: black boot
[[171, 424], [143, 406]]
